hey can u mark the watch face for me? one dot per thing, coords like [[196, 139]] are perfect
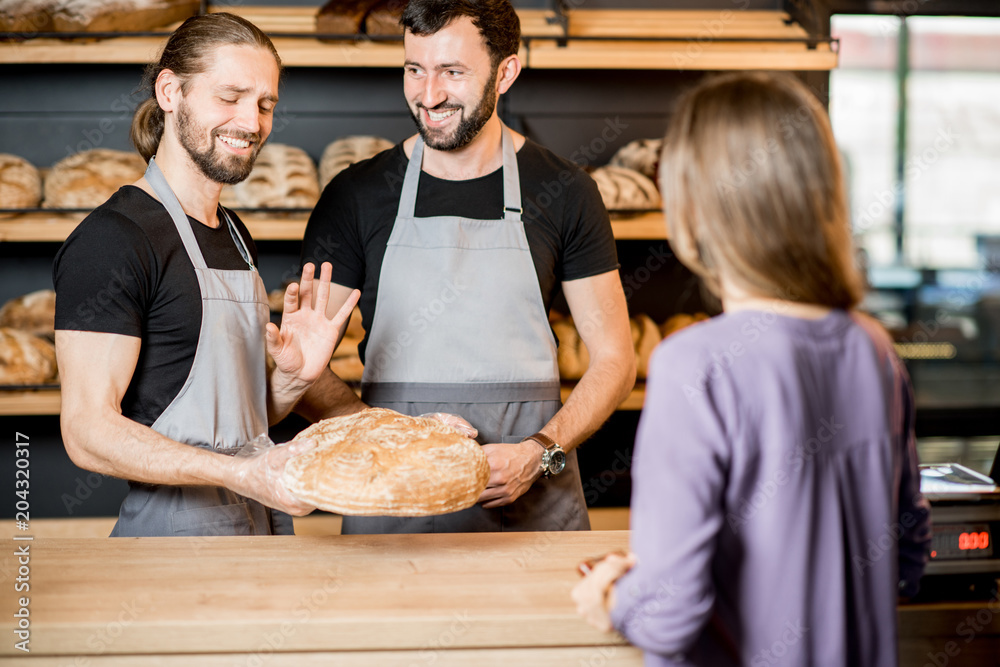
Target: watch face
[[557, 461]]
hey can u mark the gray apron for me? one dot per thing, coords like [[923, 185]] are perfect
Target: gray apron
[[460, 326], [222, 405]]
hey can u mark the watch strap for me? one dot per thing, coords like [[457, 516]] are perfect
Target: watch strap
[[545, 441]]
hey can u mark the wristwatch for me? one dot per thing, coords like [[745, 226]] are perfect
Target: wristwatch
[[553, 456]]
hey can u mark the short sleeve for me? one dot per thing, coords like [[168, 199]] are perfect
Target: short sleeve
[[332, 233], [588, 241], [103, 276]]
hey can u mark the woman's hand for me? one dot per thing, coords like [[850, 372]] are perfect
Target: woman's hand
[[595, 595]]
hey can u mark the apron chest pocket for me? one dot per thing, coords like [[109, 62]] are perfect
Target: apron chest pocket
[[219, 520]]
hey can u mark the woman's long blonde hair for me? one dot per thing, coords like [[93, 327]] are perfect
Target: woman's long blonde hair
[[753, 191]]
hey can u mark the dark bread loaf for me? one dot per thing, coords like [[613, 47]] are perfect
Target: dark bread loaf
[[343, 17], [383, 18]]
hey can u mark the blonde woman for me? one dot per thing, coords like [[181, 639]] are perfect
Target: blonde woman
[[776, 513]]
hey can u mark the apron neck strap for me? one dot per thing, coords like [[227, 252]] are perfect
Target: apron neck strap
[[156, 179], [511, 180]]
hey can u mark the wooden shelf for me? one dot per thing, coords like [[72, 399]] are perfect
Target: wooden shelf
[[48, 401], [696, 40], [30, 402], [692, 56], [55, 227]]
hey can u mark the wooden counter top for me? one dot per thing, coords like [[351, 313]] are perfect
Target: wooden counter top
[[383, 600]]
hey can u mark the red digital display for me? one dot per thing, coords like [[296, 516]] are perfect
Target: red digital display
[[962, 541], [974, 540]]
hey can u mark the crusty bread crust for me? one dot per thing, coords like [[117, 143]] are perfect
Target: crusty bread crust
[[382, 463], [26, 359]]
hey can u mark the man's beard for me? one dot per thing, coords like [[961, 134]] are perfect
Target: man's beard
[[225, 169], [469, 126]]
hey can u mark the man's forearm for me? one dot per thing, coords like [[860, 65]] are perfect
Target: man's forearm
[[328, 397], [110, 444], [596, 396]]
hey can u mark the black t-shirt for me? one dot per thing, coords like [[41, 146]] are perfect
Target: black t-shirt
[[124, 270], [568, 230]]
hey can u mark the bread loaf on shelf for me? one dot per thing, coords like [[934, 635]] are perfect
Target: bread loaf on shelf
[[20, 183], [283, 177], [346, 362], [119, 15], [625, 189], [348, 369], [574, 358], [680, 321], [342, 153], [383, 463], [641, 155], [343, 17], [26, 359], [33, 313], [87, 179], [26, 16], [383, 18]]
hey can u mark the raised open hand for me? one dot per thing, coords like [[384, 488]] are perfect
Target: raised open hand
[[302, 347]]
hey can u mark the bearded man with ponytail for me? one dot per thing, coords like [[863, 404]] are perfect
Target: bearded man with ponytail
[[162, 318]]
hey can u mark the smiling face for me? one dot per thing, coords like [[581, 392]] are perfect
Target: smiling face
[[225, 114], [450, 84]]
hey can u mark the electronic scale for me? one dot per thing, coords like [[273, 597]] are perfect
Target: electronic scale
[[965, 519]]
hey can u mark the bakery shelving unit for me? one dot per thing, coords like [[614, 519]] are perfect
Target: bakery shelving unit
[[48, 401], [46, 226], [574, 39]]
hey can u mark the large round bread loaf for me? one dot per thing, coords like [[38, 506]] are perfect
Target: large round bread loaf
[[382, 463], [33, 313], [342, 153], [87, 179], [20, 183], [625, 189], [283, 177], [641, 155], [26, 359]]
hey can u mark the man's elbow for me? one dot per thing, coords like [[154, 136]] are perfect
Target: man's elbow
[[74, 426], [75, 449]]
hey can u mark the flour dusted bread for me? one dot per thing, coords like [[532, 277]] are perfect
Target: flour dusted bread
[[20, 183], [87, 179], [26, 16], [342, 153], [33, 313], [26, 359], [118, 15], [641, 155], [382, 463], [283, 177], [625, 189]]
